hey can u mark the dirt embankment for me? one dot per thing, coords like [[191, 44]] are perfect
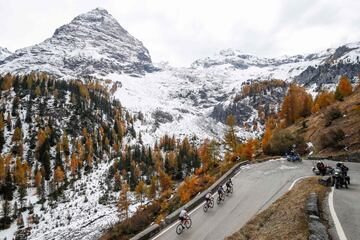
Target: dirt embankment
[[284, 219]]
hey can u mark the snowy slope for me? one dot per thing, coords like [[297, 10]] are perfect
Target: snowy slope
[[93, 42], [187, 96], [4, 53]]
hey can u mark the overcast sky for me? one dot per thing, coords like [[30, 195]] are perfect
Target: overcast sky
[[181, 31]]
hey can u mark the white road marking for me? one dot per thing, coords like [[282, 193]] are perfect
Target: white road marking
[[296, 180], [337, 223]]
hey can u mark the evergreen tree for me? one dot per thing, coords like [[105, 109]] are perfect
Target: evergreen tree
[[124, 202]]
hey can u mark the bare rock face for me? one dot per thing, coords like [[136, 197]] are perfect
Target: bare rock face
[[92, 43]]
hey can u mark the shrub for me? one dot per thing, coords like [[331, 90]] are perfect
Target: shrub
[[139, 221], [282, 141], [332, 139], [331, 115]]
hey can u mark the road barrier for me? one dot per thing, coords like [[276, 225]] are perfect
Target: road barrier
[[317, 229], [349, 157], [199, 199]]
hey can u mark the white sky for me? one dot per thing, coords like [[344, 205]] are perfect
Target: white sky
[[181, 31]]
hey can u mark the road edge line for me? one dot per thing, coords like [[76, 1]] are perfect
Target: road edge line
[[296, 180], [338, 227]]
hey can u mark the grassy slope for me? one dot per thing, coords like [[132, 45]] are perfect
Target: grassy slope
[[285, 218], [350, 124]]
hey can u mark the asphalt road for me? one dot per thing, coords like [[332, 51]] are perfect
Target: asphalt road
[[255, 188], [347, 203]]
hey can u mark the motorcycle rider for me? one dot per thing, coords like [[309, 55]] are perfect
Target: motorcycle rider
[[321, 167], [183, 216], [344, 169]]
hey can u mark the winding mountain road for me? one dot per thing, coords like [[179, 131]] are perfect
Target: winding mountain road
[[255, 188]]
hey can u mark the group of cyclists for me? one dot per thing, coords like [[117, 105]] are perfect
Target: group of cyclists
[[184, 216]]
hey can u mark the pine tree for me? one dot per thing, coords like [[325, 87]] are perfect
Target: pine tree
[[165, 181], [151, 191], [8, 187], [323, 100], [124, 202], [2, 171], [117, 181], [140, 191], [7, 82], [344, 88], [2, 140], [59, 176], [38, 181], [205, 155], [6, 210], [231, 140], [265, 142], [188, 188], [74, 164]]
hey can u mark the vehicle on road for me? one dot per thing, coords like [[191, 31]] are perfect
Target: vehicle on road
[[339, 180], [293, 157], [322, 169], [208, 204], [183, 224]]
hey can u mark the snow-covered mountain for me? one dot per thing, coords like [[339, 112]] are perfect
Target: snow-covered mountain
[[92, 43], [188, 100], [4, 52], [197, 99]]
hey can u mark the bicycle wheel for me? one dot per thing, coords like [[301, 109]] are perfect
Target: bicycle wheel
[[231, 189], [211, 203], [188, 223], [205, 207], [179, 229]]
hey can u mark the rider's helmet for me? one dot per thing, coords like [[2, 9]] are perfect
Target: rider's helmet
[[339, 164]]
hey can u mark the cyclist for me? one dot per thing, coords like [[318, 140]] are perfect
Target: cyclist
[[208, 198], [229, 184], [183, 216], [221, 191]]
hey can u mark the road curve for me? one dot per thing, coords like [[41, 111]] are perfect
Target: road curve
[[346, 204], [255, 188]]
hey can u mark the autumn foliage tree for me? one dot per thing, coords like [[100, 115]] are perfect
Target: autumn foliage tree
[[188, 188], [124, 201], [231, 140], [322, 100], [344, 88], [297, 104], [165, 181], [140, 191], [59, 176]]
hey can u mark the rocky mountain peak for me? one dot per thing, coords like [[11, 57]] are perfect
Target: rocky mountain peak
[[4, 52], [92, 43]]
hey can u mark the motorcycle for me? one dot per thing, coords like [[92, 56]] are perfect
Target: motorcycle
[[294, 157], [328, 170], [339, 180]]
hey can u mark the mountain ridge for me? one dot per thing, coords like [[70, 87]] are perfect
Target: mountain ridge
[[92, 43]]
